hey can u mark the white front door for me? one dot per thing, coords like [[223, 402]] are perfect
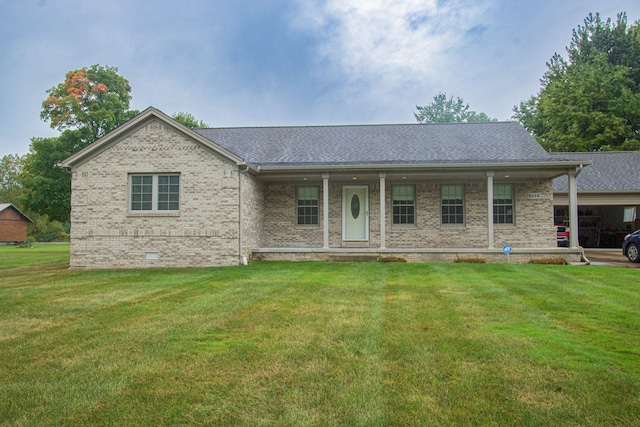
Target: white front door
[[355, 213]]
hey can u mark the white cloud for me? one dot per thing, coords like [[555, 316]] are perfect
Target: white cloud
[[393, 40]]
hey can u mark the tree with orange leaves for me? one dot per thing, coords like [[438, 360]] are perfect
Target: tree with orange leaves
[[93, 100], [89, 103]]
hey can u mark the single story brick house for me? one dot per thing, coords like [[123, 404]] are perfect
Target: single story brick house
[[13, 224], [153, 193]]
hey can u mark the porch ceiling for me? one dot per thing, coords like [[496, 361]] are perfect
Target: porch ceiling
[[411, 173]]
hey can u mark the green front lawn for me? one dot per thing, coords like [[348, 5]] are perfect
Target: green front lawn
[[317, 344]]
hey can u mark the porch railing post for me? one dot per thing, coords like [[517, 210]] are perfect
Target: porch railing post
[[383, 221], [490, 175], [573, 210], [325, 209]]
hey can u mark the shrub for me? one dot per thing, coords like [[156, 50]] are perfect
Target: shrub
[[471, 260], [549, 261], [391, 259], [43, 230]]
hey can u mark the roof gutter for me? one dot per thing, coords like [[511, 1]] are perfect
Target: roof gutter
[[246, 167], [395, 166]]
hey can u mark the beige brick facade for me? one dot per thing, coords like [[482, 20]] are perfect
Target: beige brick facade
[[253, 213], [105, 234]]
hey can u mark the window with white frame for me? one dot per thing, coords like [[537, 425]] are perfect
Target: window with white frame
[[403, 204], [308, 205], [154, 193], [503, 204], [452, 204]]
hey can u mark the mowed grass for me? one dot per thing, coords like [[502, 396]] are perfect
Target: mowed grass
[[317, 344]]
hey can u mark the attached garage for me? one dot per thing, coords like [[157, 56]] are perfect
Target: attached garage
[[608, 197]]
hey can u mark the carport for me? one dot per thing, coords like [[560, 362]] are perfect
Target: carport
[[608, 197]]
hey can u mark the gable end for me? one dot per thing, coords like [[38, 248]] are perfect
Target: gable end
[[149, 121]]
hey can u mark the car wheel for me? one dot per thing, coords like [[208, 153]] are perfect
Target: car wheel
[[633, 253]]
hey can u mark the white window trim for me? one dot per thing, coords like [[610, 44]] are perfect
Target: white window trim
[[154, 211], [513, 206], [413, 224], [464, 208], [317, 225]]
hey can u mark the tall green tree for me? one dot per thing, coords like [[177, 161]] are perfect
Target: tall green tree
[[590, 101], [89, 103], [10, 187], [189, 120], [46, 186], [448, 110]]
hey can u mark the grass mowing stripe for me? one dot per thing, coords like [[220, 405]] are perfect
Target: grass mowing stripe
[[317, 344]]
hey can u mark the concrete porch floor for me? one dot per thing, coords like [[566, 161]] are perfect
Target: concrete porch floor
[[518, 255]]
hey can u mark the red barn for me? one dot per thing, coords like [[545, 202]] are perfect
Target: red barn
[[13, 224]]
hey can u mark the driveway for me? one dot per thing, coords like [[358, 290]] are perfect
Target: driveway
[[609, 257]]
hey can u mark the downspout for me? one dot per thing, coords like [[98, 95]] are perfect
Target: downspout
[[242, 258]]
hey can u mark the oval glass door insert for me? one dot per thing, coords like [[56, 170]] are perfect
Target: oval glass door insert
[[355, 206]]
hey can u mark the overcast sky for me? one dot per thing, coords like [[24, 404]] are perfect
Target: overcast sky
[[278, 62]]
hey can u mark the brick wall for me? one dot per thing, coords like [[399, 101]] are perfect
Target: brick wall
[[280, 221], [253, 212], [13, 226], [533, 219], [104, 234], [533, 226]]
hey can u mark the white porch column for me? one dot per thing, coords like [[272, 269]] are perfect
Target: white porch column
[[325, 209], [490, 175], [383, 220], [573, 210]]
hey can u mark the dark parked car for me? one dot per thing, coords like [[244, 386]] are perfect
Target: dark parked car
[[631, 246]]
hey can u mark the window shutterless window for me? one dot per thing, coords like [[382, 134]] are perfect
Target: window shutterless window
[[452, 204], [503, 204], [307, 205], [154, 193], [141, 192], [403, 204]]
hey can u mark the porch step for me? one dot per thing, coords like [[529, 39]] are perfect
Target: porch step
[[353, 258]]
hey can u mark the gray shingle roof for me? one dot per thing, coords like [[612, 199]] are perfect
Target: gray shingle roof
[[494, 142], [610, 171]]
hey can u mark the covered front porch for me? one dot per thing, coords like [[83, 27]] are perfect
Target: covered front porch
[[358, 214]]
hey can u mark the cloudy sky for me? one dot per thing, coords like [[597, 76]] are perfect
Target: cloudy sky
[[279, 62]]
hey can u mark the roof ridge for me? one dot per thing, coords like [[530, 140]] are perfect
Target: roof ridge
[[354, 125], [593, 152]]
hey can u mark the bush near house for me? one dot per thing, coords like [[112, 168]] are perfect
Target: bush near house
[[43, 230]]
